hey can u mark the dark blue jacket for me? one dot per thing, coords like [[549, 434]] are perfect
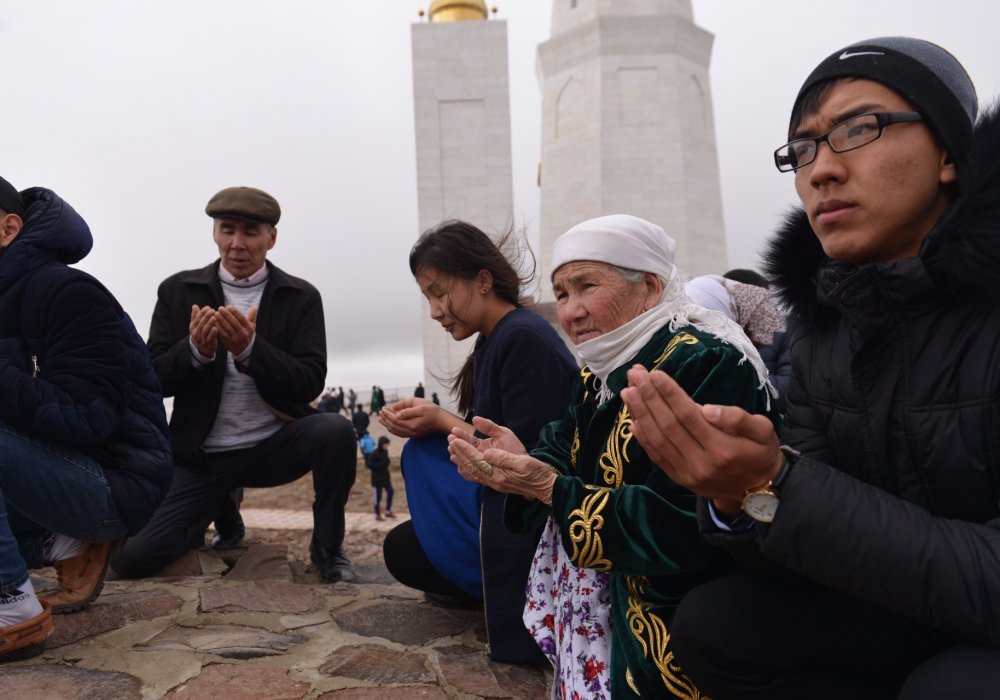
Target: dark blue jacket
[[524, 377], [73, 369]]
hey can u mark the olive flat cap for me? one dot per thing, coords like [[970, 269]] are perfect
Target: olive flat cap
[[244, 203]]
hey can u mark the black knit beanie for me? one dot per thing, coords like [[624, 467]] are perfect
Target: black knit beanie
[[924, 73], [10, 199]]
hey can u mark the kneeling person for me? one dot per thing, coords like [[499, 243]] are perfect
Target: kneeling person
[[84, 444], [241, 346]]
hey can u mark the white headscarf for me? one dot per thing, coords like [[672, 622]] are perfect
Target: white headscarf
[[636, 244], [750, 306], [711, 292]]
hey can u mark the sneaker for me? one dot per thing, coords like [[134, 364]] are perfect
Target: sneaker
[[379, 517], [26, 639], [333, 565], [81, 578], [390, 514]]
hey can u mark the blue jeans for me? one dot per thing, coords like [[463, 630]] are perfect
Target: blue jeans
[[46, 488]]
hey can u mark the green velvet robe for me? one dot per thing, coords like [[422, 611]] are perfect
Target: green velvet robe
[[620, 513]]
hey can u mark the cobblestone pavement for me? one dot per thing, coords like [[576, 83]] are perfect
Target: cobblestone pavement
[[256, 623]]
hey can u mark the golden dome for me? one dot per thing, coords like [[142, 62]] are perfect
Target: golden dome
[[457, 10]]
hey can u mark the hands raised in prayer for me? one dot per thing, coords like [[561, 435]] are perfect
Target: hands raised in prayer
[[227, 323], [412, 417], [719, 452], [503, 464], [497, 436]]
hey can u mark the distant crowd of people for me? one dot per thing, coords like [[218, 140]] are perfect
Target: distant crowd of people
[[336, 401], [730, 486]]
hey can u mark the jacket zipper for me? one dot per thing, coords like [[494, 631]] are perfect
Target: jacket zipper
[[482, 573], [35, 369]]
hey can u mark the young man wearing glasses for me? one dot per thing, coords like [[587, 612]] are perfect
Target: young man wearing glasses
[[873, 538]]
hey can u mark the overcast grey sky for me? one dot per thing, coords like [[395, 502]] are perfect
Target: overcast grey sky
[[136, 112]]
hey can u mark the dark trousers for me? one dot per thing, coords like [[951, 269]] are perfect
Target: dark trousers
[[406, 561], [388, 497], [322, 443], [228, 522], [747, 636]]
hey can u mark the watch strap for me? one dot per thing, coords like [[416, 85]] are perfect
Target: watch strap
[[791, 456]]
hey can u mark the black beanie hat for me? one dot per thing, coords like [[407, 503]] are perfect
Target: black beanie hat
[[10, 199], [923, 73]]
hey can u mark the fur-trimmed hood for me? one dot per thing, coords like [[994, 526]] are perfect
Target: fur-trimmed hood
[[961, 255]]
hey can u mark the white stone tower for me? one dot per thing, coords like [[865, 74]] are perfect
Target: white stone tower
[[627, 125], [462, 115]]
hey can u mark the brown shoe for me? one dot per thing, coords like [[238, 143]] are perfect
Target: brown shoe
[[81, 578], [28, 638]]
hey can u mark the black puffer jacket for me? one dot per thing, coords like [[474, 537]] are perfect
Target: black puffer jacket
[[73, 370], [895, 401]]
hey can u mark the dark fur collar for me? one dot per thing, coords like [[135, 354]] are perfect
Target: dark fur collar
[[961, 255]]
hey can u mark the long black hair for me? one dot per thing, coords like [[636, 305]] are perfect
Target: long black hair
[[462, 250]]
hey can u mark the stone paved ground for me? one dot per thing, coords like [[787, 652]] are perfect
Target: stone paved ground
[[256, 623]]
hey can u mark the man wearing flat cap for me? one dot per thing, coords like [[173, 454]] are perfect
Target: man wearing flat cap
[[241, 346]]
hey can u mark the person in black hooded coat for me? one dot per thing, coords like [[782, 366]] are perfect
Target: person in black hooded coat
[[875, 543], [84, 446]]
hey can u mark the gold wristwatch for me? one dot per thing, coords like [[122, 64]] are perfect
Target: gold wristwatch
[[761, 504]]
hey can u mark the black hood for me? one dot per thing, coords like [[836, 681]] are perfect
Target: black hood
[[961, 255], [52, 231]]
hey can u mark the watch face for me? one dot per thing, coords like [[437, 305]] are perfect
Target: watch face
[[761, 505]]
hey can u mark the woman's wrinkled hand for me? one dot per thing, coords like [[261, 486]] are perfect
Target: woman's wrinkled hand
[[503, 471], [497, 436]]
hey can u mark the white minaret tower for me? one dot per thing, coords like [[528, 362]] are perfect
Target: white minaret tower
[[462, 115], [627, 125]]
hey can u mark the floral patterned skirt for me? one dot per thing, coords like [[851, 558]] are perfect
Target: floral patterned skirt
[[568, 612]]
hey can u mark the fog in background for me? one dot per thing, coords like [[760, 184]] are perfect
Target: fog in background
[[136, 112]]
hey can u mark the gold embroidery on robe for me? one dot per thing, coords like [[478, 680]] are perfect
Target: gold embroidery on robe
[[685, 338], [612, 462], [585, 525], [585, 375], [574, 449], [654, 638], [631, 682]]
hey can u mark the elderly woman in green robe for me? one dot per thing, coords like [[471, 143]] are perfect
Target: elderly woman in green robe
[[620, 545]]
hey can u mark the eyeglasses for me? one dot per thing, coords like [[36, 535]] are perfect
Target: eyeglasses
[[846, 136]]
